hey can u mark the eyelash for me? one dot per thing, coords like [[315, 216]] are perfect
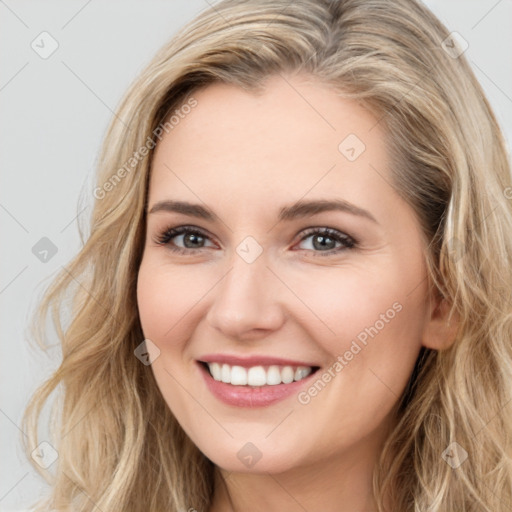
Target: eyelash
[[168, 234]]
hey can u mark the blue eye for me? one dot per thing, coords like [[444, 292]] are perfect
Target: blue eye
[[192, 238], [324, 241]]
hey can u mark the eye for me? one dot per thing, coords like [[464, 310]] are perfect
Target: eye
[[191, 237], [324, 240]]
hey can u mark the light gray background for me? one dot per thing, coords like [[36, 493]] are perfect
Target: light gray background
[[54, 115]]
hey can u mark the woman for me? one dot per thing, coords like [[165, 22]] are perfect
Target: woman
[[296, 290]]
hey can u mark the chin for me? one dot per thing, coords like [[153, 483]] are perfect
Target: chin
[[249, 457]]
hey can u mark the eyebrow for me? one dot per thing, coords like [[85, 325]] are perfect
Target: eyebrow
[[297, 210]]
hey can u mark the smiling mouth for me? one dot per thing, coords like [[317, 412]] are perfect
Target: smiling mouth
[[258, 375]]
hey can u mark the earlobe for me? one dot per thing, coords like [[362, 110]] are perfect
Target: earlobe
[[440, 331]]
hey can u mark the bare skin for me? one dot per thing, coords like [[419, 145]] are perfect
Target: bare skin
[[245, 157]]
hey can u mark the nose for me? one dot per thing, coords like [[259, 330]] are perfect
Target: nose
[[246, 303]]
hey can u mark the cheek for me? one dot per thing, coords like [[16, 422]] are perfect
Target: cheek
[[362, 304], [168, 304], [172, 302], [366, 316], [337, 309], [167, 300], [371, 326]]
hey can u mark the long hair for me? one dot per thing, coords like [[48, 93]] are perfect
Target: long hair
[[119, 445]]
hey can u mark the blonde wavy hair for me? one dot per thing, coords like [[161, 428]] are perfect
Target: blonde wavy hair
[[119, 445]]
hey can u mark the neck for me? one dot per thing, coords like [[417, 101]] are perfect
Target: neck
[[340, 483]]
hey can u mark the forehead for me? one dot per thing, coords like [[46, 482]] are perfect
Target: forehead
[[297, 137]]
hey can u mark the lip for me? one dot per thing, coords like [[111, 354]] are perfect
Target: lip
[[249, 396], [247, 362]]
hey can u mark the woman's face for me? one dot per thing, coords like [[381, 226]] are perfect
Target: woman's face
[[261, 285]]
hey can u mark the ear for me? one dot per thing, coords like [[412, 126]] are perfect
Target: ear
[[438, 332]]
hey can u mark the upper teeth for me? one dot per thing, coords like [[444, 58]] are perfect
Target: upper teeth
[[257, 375]]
